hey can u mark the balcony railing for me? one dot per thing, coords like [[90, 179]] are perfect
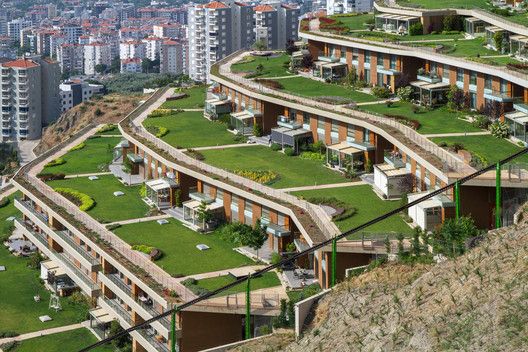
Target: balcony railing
[[80, 274], [80, 250], [153, 341], [118, 308]]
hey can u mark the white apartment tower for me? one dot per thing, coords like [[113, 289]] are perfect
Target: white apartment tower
[[334, 7], [30, 97], [172, 57], [15, 26], [132, 49], [96, 54], [70, 57]]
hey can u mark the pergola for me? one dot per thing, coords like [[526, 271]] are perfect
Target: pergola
[[490, 35], [519, 46], [191, 208], [518, 122], [244, 121], [329, 70], [219, 104], [395, 23], [340, 154], [475, 26], [160, 192], [431, 94], [290, 133], [100, 322]]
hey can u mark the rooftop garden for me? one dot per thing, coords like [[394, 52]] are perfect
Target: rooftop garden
[[194, 99], [434, 4], [486, 148], [91, 156], [427, 121], [263, 66], [178, 244], [383, 36], [284, 171], [325, 92], [106, 206], [203, 286], [462, 48], [73, 340], [189, 129], [367, 206], [352, 21]]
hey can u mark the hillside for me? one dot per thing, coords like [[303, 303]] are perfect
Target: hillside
[[108, 109], [478, 302]]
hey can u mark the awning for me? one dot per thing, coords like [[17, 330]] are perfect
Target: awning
[[160, 184], [194, 204], [136, 159], [123, 144], [473, 19], [243, 115], [396, 17], [216, 102], [344, 147], [51, 266], [494, 29], [518, 116], [200, 197], [101, 315], [430, 86], [391, 171], [277, 230]]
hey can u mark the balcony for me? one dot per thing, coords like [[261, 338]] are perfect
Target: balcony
[[118, 309], [499, 96], [150, 337], [70, 242]]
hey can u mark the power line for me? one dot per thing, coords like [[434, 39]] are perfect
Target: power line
[[305, 252]]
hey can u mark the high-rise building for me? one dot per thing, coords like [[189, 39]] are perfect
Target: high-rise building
[[70, 57], [172, 57], [152, 47], [96, 54], [15, 26], [130, 49], [30, 97], [347, 6]]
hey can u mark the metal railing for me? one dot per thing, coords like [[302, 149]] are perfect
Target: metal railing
[[77, 248]]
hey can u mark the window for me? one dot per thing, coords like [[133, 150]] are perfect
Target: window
[[367, 76], [265, 213], [292, 113], [487, 82], [219, 194], [503, 86], [335, 127], [366, 135], [473, 78], [379, 59], [393, 62], [351, 133], [367, 57], [321, 123], [355, 55], [460, 75], [306, 118]]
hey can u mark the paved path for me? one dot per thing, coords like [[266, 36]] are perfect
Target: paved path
[[138, 220], [457, 134], [227, 146], [235, 271], [109, 135], [190, 109], [45, 332], [89, 174], [331, 185]]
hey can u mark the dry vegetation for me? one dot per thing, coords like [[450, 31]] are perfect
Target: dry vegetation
[[108, 109], [477, 302]]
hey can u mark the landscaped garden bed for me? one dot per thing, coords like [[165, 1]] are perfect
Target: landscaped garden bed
[[194, 99], [204, 286]]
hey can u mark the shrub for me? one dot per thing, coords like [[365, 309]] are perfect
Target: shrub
[[457, 146], [404, 93], [260, 176], [450, 238], [416, 29], [161, 112], [275, 147], [78, 147], [453, 23], [113, 227], [195, 154], [312, 156], [257, 130], [381, 92], [289, 151], [270, 83], [9, 346], [48, 176], [83, 201], [499, 129], [143, 248], [162, 131], [5, 201], [107, 128], [56, 162], [318, 147], [478, 161], [98, 112], [481, 121]]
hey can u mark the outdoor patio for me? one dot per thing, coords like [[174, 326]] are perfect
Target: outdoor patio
[[299, 278]]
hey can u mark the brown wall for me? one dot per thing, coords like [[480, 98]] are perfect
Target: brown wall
[[205, 330]]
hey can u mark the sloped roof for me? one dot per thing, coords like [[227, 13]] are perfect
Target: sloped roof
[[21, 63], [215, 5]]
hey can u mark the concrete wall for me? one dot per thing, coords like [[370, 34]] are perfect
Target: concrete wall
[[302, 309]]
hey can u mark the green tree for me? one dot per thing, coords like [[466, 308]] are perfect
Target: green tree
[[416, 29], [204, 214], [450, 238], [290, 46], [115, 65], [260, 45], [100, 68], [254, 238]]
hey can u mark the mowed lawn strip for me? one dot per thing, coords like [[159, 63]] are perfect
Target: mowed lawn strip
[[73, 340], [355, 22], [108, 208], [292, 170], [190, 129], [268, 279], [94, 157], [272, 66], [312, 88], [368, 205], [178, 243], [439, 120], [194, 100], [19, 284], [489, 147]]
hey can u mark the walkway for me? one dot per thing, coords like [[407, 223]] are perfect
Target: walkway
[[45, 332], [331, 185], [138, 220], [242, 271], [226, 146], [89, 174], [457, 134], [190, 109]]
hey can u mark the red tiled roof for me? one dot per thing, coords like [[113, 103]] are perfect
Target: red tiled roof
[[21, 63], [170, 42], [263, 8], [215, 5], [133, 59]]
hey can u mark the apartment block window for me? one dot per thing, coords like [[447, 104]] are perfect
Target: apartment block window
[[460, 75], [265, 213], [306, 118], [320, 123], [343, 52], [219, 195], [335, 127], [393, 62], [355, 54], [379, 59], [367, 57], [473, 78], [351, 133], [503, 86], [366, 135], [292, 113], [445, 73], [433, 67], [367, 76], [487, 82]]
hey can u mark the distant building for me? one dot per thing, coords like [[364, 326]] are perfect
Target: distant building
[[334, 7], [73, 93], [96, 54], [132, 49], [131, 65], [71, 58], [30, 97], [15, 26], [172, 57]]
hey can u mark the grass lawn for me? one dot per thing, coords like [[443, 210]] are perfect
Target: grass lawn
[[195, 99], [489, 147], [312, 88], [189, 129], [73, 340], [435, 4], [273, 66], [19, 284], [108, 208], [292, 171], [439, 120], [368, 206], [463, 48], [178, 243], [381, 36], [94, 157], [268, 279], [355, 22]]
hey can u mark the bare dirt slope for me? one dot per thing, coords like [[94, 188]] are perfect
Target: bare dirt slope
[[477, 302], [108, 109]]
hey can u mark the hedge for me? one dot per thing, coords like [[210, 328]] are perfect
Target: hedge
[[78, 147], [84, 201], [56, 162]]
